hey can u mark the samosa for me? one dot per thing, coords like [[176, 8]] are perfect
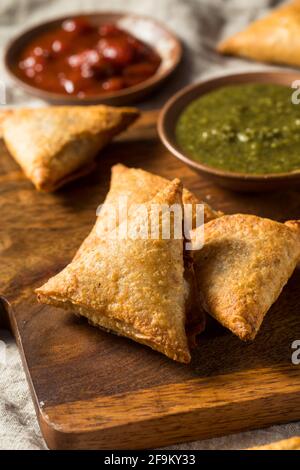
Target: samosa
[[54, 145], [242, 268], [132, 286]]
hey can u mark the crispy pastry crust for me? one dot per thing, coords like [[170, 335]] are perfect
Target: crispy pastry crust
[[139, 187], [274, 38], [57, 144], [287, 444], [243, 267], [135, 288]]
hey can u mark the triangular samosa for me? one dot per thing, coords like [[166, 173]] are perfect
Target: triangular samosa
[[242, 268], [57, 144], [133, 287], [274, 38]]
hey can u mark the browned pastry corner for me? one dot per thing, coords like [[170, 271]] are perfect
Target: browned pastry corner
[[274, 38], [132, 287], [242, 268], [287, 444], [54, 145]]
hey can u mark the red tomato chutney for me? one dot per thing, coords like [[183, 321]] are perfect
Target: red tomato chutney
[[81, 59]]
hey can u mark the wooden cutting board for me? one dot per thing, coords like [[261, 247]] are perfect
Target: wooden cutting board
[[95, 390]]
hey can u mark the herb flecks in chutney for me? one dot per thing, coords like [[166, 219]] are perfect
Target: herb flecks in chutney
[[251, 128]]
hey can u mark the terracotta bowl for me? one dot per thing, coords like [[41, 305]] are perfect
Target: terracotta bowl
[[147, 29], [236, 181]]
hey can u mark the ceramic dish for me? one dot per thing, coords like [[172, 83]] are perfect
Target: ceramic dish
[[236, 181], [146, 29]]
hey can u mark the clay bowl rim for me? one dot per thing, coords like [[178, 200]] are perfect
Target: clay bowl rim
[[170, 112], [17, 43]]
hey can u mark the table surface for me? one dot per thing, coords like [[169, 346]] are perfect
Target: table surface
[[200, 24]]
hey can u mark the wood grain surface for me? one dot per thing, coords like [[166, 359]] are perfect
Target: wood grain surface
[[95, 390]]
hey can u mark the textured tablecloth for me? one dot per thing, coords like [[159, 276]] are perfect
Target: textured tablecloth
[[200, 24]]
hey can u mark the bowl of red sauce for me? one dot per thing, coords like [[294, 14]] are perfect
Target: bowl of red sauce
[[112, 58]]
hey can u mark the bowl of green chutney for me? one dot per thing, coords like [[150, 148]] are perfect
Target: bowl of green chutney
[[242, 131]]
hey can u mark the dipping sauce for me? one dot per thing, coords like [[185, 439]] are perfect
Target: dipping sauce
[[82, 59], [251, 128]]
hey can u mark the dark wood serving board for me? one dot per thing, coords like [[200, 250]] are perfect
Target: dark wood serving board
[[95, 390]]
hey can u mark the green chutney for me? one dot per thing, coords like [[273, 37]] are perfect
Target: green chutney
[[251, 128]]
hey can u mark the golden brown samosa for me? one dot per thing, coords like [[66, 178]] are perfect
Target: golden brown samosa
[[242, 268], [132, 287], [55, 145], [274, 38]]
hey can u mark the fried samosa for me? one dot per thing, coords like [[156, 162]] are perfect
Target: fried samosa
[[139, 187], [242, 268], [132, 287], [274, 38], [55, 145]]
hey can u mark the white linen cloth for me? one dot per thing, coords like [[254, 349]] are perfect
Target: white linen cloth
[[200, 24]]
